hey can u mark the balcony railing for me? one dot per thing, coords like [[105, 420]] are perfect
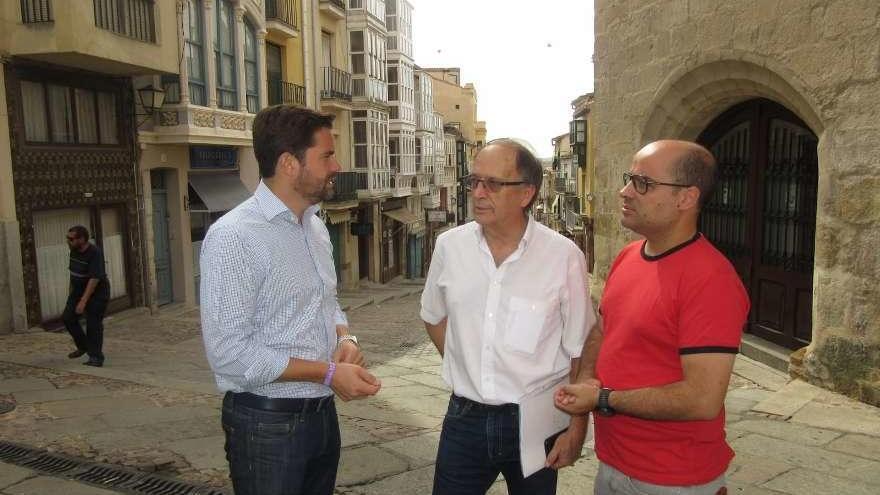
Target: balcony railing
[[571, 187], [347, 184], [132, 18], [35, 11], [283, 11], [573, 220], [337, 84], [286, 93]]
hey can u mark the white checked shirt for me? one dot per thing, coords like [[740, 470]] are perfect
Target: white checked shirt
[[513, 328], [268, 294]]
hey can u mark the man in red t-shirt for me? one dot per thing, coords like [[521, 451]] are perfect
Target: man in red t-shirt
[[673, 312]]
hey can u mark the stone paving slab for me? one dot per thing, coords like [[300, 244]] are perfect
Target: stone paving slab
[[802, 481], [753, 470], [97, 405], [13, 385], [419, 450], [419, 480], [11, 474], [769, 378], [359, 465], [45, 485], [429, 380], [789, 399], [787, 431], [858, 445], [855, 420], [201, 453], [813, 458], [55, 394], [159, 415]]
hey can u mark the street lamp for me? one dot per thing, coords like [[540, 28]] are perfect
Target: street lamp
[[151, 100]]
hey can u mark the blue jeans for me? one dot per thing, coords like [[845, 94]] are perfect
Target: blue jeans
[[281, 453], [479, 441]]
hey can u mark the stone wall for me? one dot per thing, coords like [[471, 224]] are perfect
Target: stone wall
[[666, 68]]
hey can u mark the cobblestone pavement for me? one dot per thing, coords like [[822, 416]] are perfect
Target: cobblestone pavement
[[154, 407]]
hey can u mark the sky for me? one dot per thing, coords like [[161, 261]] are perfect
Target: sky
[[528, 60]]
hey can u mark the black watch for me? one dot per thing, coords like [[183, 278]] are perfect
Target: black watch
[[603, 408]]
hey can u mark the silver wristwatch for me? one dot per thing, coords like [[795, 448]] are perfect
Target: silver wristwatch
[[350, 337]]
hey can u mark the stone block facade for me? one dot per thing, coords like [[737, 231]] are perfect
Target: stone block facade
[[667, 68]]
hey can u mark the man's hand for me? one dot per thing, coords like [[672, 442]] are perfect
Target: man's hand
[[80, 307], [348, 352], [567, 448], [353, 382], [578, 398]]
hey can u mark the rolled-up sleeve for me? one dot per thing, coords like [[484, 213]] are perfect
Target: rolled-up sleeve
[[575, 305], [433, 304], [339, 317], [228, 301]]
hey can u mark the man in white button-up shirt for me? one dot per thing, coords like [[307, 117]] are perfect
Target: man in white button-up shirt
[[507, 306]]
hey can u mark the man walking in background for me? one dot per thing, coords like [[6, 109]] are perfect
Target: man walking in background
[[89, 295]]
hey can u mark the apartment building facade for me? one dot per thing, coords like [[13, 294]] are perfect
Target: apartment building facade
[[68, 149]]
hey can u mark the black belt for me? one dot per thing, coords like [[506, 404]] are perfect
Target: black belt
[[485, 407], [307, 405]]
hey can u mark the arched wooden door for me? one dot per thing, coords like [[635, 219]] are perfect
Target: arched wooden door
[[763, 213]]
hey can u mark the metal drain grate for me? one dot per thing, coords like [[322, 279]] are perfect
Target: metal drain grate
[[9, 452], [50, 464], [119, 479], [106, 475], [155, 485]]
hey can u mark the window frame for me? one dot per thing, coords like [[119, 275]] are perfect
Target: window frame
[[199, 46], [219, 54], [250, 33], [71, 88]]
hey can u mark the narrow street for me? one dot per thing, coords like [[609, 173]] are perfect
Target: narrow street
[[153, 407]]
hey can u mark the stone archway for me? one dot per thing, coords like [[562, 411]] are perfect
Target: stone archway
[[688, 100]]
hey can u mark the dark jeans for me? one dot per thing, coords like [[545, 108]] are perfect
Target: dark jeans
[[478, 442], [275, 453], [91, 341]]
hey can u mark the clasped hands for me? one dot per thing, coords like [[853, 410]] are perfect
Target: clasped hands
[[352, 380], [578, 399]]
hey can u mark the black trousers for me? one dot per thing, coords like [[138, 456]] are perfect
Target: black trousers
[[92, 340]]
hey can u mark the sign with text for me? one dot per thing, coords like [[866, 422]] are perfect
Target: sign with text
[[213, 157], [437, 215]]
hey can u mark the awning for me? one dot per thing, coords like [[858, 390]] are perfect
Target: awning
[[218, 192], [403, 216], [337, 217]]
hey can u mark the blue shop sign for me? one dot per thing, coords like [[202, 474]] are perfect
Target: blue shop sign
[[213, 157]]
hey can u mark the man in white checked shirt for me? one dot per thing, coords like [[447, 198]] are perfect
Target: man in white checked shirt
[[506, 304], [274, 334]]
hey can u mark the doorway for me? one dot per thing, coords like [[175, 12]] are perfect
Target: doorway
[[762, 215]]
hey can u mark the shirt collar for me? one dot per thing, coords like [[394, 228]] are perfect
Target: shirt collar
[[527, 235], [272, 206]]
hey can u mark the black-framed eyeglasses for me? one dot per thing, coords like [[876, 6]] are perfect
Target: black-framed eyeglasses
[[641, 183], [492, 184], [71, 239]]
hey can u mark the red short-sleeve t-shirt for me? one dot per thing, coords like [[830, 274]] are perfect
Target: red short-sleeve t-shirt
[[656, 309]]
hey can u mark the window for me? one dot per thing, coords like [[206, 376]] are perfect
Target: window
[[59, 114], [250, 68], [224, 51], [193, 34], [33, 103], [86, 121]]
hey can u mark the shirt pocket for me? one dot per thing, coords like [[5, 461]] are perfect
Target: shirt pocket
[[526, 324]]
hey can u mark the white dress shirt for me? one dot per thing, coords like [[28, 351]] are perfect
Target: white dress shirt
[[512, 328], [268, 294]]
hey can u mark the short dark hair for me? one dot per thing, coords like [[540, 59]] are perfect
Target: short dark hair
[[527, 164], [697, 167], [285, 128], [80, 232]]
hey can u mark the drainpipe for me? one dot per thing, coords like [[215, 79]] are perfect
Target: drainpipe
[[310, 21]]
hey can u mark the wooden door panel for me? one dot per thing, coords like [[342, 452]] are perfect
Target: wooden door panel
[[763, 211]]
